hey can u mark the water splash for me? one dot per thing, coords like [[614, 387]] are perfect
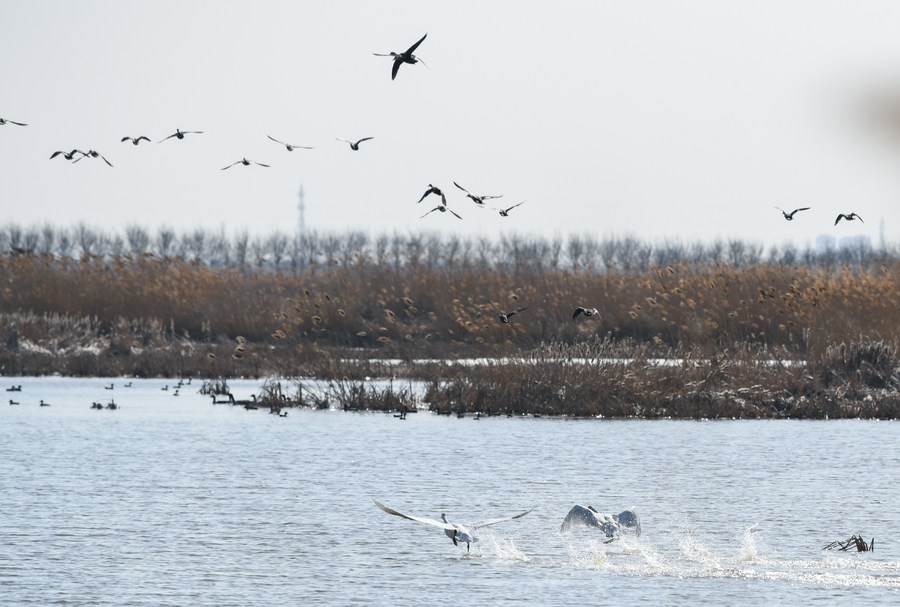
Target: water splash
[[749, 551]]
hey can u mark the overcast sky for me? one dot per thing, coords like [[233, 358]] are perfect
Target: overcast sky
[[662, 120]]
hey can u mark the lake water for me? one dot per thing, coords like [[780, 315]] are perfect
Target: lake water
[[176, 501]]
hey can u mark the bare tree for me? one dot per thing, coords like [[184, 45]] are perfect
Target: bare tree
[[115, 246], [65, 244], [331, 245], [14, 241], [381, 248], [195, 244], [165, 241], [88, 240], [241, 248], [258, 249], [575, 251], [354, 246], [628, 248], [138, 240], [485, 252], [30, 239], [278, 244], [218, 249], [48, 239]]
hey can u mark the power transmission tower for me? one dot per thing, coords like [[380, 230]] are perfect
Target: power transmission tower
[[301, 206]]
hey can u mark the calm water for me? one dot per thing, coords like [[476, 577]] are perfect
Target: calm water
[[173, 501]]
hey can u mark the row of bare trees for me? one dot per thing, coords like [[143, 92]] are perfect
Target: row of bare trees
[[515, 253]]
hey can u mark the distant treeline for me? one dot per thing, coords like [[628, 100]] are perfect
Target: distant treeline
[[518, 253]]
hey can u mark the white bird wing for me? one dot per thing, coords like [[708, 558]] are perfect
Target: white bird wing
[[494, 521], [420, 519]]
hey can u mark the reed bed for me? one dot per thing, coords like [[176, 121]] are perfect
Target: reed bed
[[832, 331]]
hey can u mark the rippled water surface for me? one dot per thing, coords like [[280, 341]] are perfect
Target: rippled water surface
[[176, 501]]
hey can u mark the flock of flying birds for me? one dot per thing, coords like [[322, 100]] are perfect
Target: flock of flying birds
[[407, 56], [848, 217], [398, 59]]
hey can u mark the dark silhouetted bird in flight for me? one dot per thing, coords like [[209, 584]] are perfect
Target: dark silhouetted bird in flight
[[436, 191], [790, 216], [354, 145], [404, 57], [443, 209], [179, 134], [849, 217], [245, 162], [290, 147], [505, 318], [475, 198]]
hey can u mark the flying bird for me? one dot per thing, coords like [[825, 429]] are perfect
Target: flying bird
[[458, 532], [849, 217], [179, 134], [245, 162], [93, 154], [67, 155], [790, 216], [505, 212], [443, 208], [290, 147], [611, 524], [436, 191], [585, 311], [5, 121], [354, 145], [135, 140], [505, 318], [404, 57], [475, 198]]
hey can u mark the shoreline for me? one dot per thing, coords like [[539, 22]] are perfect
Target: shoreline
[[860, 380]]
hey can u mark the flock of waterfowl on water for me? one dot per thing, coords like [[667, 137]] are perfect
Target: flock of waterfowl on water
[[111, 404]]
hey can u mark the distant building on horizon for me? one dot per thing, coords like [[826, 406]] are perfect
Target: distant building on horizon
[[827, 242]]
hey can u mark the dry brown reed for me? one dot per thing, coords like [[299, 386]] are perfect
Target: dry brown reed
[[158, 316]]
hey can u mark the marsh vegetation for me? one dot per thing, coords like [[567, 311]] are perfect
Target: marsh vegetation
[[720, 330]]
